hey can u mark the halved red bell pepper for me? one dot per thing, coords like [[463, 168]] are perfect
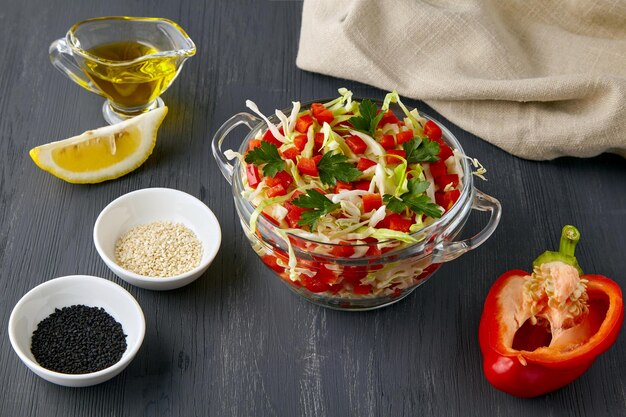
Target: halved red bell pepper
[[540, 331]]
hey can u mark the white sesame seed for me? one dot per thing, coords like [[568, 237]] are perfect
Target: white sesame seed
[[159, 249]]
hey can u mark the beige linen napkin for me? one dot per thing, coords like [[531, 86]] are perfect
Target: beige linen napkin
[[538, 78]]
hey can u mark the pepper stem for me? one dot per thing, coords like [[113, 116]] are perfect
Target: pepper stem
[[569, 239]]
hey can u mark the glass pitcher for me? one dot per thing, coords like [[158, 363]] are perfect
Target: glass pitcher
[[130, 61]]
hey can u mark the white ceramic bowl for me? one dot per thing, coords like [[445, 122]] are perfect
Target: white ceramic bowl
[[150, 205], [66, 291]]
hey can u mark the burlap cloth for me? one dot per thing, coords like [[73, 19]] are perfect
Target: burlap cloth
[[538, 78]]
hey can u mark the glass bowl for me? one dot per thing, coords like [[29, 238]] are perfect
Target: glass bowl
[[389, 271]]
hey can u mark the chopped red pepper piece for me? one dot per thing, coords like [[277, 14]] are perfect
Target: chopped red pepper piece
[[318, 140], [290, 153], [271, 219], [445, 152], [276, 191], [293, 213], [270, 261], [252, 174], [540, 331], [362, 185], [300, 141], [432, 130], [443, 180], [319, 110], [388, 117], [371, 202], [340, 186], [321, 281], [356, 144], [387, 142], [314, 283], [282, 177], [392, 160], [345, 250], [303, 123], [362, 289], [364, 164], [354, 274], [321, 113], [404, 136], [446, 199], [308, 166], [437, 169], [268, 137], [399, 223]]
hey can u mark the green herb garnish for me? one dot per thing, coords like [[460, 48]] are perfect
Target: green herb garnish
[[414, 199], [421, 150], [319, 204], [368, 119], [266, 154], [334, 167]]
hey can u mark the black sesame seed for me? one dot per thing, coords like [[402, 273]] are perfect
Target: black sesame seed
[[78, 340]]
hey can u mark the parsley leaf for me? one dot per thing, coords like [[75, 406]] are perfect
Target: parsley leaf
[[416, 186], [421, 150], [266, 154], [393, 203], [414, 200], [319, 204], [422, 204], [368, 119], [334, 167]]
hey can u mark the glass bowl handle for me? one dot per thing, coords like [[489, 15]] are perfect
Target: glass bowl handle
[[62, 58], [216, 145], [447, 251]]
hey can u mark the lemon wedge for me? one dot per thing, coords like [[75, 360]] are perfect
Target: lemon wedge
[[101, 154]]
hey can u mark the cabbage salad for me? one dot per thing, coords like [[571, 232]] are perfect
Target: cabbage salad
[[354, 177]]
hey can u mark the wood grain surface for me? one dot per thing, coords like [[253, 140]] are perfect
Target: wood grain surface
[[237, 342]]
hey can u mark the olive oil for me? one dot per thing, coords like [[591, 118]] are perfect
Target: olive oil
[[126, 82]]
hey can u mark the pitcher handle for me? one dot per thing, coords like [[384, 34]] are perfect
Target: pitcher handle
[[447, 251], [61, 57], [216, 145]]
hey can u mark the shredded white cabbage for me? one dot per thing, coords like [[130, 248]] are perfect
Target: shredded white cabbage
[[372, 146], [378, 216], [252, 106], [230, 154]]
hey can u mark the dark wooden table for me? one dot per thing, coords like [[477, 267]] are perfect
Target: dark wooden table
[[237, 342]]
